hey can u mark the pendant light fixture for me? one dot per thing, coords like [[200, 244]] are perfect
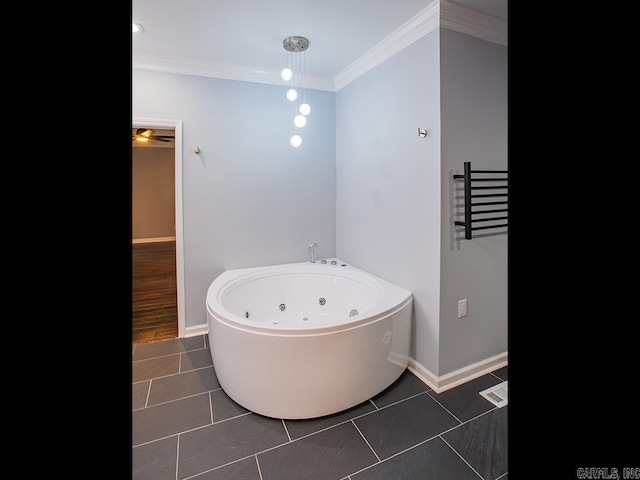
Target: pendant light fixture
[[294, 73]]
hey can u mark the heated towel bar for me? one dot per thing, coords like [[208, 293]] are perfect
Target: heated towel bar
[[496, 183]]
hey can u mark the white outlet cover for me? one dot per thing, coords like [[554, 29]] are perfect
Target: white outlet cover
[[462, 308]]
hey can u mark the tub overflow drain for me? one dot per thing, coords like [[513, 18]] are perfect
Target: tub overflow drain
[[322, 301], [246, 314], [282, 307]]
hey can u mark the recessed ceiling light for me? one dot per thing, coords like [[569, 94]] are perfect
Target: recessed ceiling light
[[137, 28]]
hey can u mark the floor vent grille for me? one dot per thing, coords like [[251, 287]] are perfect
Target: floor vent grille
[[498, 394]]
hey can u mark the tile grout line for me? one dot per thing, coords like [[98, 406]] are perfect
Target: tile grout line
[[461, 457], [286, 430], [255, 455], [274, 447], [483, 413], [177, 455], [210, 407], [367, 442], [505, 473], [329, 427], [158, 439], [222, 466], [357, 416], [177, 373], [471, 419], [446, 409], [316, 432], [225, 420], [397, 402], [146, 400], [261, 451], [395, 454], [135, 347], [174, 400], [165, 355], [193, 430]]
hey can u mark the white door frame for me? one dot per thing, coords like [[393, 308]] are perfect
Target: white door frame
[[176, 125]]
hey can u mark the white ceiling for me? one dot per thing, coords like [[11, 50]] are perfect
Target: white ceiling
[[243, 38]]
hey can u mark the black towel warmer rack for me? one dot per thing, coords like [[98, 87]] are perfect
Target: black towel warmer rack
[[499, 185]]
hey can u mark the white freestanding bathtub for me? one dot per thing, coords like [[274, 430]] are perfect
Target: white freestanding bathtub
[[304, 340]]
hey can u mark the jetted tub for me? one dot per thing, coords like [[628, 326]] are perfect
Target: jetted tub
[[305, 340]]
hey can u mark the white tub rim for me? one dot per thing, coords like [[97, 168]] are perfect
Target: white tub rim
[[391, 298]]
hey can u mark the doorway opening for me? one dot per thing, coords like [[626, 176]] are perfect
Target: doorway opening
[[157, 246]]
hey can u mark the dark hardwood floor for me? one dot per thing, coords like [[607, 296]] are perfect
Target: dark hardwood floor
[[154, 298]]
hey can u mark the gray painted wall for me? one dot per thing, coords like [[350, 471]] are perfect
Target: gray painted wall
[[249, 198], [474, 79], [388, 181], [395, 194]]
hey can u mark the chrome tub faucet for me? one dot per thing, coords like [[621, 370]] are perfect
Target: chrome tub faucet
[[311, 249]]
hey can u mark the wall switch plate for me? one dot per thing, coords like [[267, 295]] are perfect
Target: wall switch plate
[[462, 308]]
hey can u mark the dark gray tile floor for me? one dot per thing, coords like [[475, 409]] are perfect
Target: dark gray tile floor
[[185, 427]]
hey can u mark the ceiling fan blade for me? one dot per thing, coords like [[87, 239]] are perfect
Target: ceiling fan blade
[[144, 132], [147, 134], [139, 138]]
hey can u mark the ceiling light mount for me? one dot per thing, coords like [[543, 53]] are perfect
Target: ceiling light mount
[[295, 44]]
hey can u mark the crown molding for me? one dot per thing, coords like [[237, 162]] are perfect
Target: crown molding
[[441, 13], [423, 23], [469, 21], [229, 71]]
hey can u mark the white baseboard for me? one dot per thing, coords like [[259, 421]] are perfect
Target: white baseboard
[[452, 379], [153, 240], [202, 329]]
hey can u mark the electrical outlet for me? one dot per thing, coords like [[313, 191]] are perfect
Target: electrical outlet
[[462, 308]]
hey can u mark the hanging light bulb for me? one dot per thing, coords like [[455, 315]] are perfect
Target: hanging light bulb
[[296, 140], [286, 74], [300, 121], [292, 94], [304, 109]]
